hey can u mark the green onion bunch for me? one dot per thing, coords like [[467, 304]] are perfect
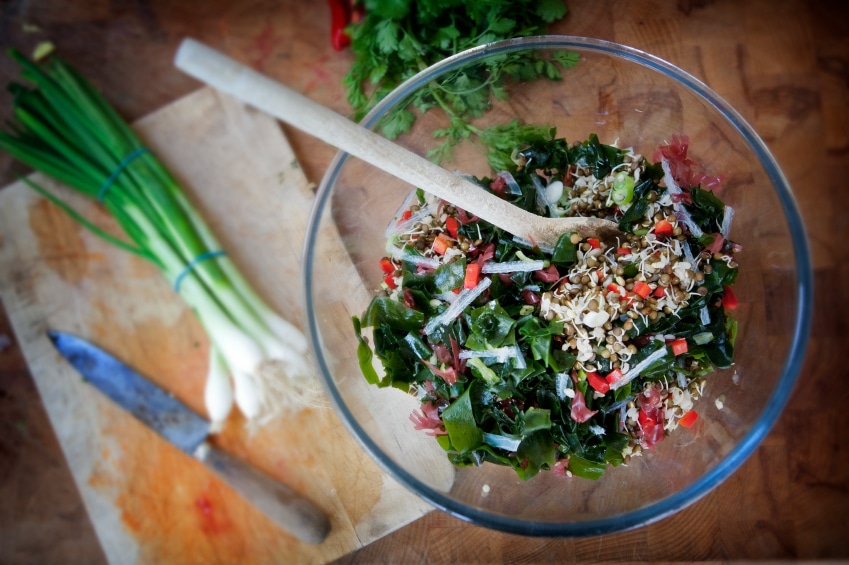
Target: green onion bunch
[[66, 129]]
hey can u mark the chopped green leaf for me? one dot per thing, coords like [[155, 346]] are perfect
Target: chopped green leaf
[[364, 355], [460, 423], [581, 467]]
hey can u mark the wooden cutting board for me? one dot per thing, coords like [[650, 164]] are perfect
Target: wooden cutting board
[[149, 502]]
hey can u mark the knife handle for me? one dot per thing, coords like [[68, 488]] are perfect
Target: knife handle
[[285, 507]]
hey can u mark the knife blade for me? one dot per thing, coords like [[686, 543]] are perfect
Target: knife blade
[[189, 432]]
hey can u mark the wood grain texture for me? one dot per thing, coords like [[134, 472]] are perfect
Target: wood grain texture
[[783, 65]]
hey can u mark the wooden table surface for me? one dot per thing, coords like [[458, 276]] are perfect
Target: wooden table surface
[[783, 64]]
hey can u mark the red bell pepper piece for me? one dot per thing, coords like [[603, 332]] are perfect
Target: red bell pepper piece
[[473, 274], [679, 346], [617, 289], [390, 281], [622, 251], [595, 243], [453, 226], [613, 376], [659, 292], [663, 227], [387, 266], [642, 289], [645, 420], [688, 419], [729, 299], [440, 244], [598, 383]]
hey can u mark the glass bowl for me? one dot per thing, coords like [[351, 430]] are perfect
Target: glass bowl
[[618, 93]]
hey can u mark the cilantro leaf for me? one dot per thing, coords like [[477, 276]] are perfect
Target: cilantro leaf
[[551, 10], [392, 9], [398, 38]]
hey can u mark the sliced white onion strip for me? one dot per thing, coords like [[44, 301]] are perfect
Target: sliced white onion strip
[[466, 297], [688, 254], [403, 254], [398, 226], [512, 266], [682, 212], [448, 297], [725, 228], [541, 199], [501, 442], [635, 371], [597, 430], [526, 243], [512, 185], [500, 354], [563, 386]]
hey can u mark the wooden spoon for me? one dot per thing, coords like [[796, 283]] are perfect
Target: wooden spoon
[[251, 87]]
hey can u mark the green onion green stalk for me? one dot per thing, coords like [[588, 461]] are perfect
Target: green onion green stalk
[[64, 128]]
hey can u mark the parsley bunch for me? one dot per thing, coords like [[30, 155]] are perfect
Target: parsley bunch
[[398, 38]]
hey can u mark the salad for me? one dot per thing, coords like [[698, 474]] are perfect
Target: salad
[[566, 359]]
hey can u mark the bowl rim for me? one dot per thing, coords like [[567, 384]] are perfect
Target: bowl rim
[[725, 467]]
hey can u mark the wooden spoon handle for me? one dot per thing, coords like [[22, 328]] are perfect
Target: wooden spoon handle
[[251, 87], [245, 84]]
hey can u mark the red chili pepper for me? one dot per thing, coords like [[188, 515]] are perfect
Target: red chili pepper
[[390, 281], [387, 266], [594, 242], [662, 227], [729, 299], [340, 17], [642, 289], [679, 346], [473, 273], [688, 419], [453, 226], [598, 383]]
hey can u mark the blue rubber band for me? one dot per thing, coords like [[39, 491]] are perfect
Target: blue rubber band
[[118, 170], [188, 268]]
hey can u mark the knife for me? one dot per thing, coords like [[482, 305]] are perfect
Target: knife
[[188, 431]]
